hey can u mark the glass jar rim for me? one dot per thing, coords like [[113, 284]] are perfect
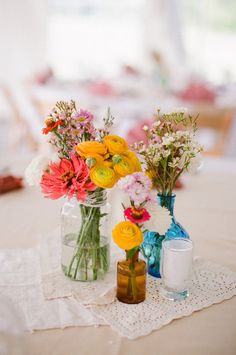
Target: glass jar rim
[[172, 248]]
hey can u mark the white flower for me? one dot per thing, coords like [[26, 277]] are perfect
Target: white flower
[[167, 140], [160, 220], [157, 123], [34, 171], [165, 153], [145, 128], [183, 160]]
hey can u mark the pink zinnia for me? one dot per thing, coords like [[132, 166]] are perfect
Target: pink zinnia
[[137, 215], [83, 117], [69, 177]]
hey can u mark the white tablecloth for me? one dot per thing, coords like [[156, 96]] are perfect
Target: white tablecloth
[[206, 207]]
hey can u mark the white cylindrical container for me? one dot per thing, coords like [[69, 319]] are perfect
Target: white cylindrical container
[[176, 267]]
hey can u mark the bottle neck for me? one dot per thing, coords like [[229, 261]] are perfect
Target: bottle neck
[[167, 201], [134, 257]]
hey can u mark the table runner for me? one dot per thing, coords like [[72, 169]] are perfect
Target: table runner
[[22, 280]]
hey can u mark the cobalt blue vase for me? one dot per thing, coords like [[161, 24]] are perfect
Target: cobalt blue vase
[[152, 244]]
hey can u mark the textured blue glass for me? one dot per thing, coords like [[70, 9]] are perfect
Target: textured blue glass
[[153, 241], [175, 230], [152, 249]]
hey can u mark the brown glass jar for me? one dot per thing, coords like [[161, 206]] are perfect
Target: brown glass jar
[[131, 280]]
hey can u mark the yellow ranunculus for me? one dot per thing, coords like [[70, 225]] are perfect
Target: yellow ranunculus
[[108, 163], [94, 160], [91, 149], [124, 167], [133, 157], [115, 144], [127, 235], [103, 176]]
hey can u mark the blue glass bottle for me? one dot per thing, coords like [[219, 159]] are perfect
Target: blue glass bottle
[[153, 241], [175, 230]]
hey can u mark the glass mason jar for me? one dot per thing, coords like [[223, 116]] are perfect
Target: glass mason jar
[[85, 237], [152, 244], [131, 280]]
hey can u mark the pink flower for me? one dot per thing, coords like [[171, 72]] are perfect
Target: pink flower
[[137, 186], [69, 177], [137, 215], [83, 117]]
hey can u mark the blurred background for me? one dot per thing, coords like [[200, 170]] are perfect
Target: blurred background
[[130, 55]]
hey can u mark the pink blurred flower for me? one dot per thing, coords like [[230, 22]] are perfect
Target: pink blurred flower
[[69, 177], [137, 134], [137, 215]]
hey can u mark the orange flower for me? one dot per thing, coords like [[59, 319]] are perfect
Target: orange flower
[[50, 125], [133, 157], [127, 235], [124, 166], [91, 149], [115, 144]]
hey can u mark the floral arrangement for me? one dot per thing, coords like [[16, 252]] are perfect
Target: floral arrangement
[[90, 160], [171, 149], [128, 235]]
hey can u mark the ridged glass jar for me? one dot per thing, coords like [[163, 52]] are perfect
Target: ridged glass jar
[[85, 237], [131, 280]]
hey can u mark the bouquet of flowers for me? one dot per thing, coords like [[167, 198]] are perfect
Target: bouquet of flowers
[[171, 149], [90, 160], [128, 235]]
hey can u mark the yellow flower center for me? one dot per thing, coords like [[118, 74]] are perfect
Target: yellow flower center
[[67, 176], [137, 214]]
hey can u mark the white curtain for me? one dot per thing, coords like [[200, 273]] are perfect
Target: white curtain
[[162, 33], [22, 38]]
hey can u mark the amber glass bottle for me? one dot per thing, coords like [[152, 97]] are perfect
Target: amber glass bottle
[[131, 280]]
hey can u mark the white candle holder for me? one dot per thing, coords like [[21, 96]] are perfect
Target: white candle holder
[[176, 268]]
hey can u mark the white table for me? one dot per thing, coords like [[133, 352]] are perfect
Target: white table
[[206, 207]]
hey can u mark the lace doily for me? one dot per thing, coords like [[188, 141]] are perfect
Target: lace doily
[[25, 273], [211, 284], [56, 285]]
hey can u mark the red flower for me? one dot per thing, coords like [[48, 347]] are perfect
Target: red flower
[[137, 215], [69, 177], [50, 125]]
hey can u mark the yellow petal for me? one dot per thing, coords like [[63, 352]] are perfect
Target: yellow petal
[[115, 144], [103, 176], [127, 235]]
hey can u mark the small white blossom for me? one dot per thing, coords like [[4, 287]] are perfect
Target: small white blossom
[[168, 140], [34, 171], [157, 123], [166, 153], [160, 220]]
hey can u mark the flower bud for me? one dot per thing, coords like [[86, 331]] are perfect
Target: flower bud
[[90, 162], [116, 159]]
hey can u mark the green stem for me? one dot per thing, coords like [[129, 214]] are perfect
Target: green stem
[[88, 243]]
